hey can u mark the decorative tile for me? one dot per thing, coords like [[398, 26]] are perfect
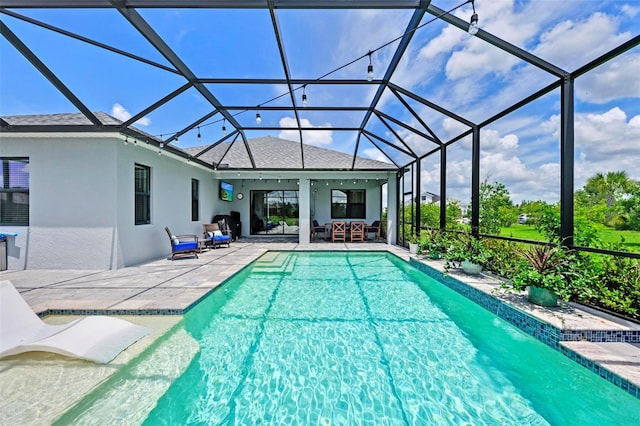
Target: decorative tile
[[546, 333]]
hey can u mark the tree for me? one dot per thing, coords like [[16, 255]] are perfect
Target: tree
[[496, 208], [533, 210], [609, 188], [631, 207], [430, 215]]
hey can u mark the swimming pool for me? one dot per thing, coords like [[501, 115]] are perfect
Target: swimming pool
[[349, 338]]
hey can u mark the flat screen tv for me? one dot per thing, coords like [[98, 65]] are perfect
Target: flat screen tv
[[226, 191]]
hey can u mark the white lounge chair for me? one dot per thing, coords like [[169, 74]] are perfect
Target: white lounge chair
[[94, 338]]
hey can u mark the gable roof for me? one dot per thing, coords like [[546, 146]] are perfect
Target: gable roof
[[275, 153], [267, 152]]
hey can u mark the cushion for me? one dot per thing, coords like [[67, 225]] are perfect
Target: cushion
[[189, 245], [175, 240], [210, 234], [217, 233]]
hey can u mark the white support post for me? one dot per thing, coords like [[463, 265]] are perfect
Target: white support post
[[392, 208], [305, 211]]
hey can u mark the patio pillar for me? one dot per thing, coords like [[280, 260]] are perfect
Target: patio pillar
[[392, 208], [304, 211]]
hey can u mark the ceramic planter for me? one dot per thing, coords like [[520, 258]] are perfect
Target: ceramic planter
[[542, 297], [471, 268], [413, 248]]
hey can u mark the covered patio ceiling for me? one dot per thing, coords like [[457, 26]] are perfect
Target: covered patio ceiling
[[212, 71]]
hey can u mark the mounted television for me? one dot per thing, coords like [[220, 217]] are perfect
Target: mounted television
[[226, 191]]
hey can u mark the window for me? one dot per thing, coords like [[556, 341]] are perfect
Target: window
[[14, 191], [195, 200], [348, 204], [142, 194]]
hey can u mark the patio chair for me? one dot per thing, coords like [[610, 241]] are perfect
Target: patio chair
[[357, 231], [182, 245], [317, 229], [94, 338], [216, 235], [374, 228], [338, 231]]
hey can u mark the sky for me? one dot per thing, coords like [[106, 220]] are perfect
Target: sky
[[443, 64]]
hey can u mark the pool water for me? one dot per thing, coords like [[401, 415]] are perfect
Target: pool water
[[315, 338]]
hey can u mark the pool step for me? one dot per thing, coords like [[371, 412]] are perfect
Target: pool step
[[274, 263]]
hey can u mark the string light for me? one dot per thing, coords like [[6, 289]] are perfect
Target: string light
[[224, 127], [473, 26], [199, 136], [304, 95], [258, 118], [473, 29], [126, 140]]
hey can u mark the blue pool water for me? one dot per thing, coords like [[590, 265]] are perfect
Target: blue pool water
[[314, 338]]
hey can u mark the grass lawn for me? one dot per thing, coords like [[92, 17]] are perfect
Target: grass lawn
[[608, 235]]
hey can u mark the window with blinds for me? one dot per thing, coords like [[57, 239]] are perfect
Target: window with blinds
[[142, 194], [14, 191]]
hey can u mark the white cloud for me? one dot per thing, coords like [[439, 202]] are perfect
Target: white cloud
[[453, 127], [477, 59], [311, 137], [630, 10], [608, 141], [119, 112], [571, 44], [616, 79], [491, 142], [374, 154], [449, 38]]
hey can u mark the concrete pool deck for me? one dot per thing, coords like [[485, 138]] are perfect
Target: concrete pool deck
[[38, 387]]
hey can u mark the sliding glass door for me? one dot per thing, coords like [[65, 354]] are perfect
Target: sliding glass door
[[274, 212]]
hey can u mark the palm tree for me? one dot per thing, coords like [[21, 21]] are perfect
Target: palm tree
[[609, 187]]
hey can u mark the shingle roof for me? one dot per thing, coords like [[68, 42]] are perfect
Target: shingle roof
[[275, 153], [68, 119], [63, 119], [267, 152]]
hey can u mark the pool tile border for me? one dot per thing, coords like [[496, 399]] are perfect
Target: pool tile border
[[85, 312], [543, 331]]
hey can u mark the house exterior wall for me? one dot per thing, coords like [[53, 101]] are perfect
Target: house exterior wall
[[81, 196], [81, 200], [170, 204], [71, 202]]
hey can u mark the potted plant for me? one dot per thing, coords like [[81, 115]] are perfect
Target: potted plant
[[413, 244], [433, 244], [545, 273], [469, 253]]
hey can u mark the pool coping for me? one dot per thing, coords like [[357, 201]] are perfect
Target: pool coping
[[538, 328]]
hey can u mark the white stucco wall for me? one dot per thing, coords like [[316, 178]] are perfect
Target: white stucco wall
[[81, 195], [71, 201], [170, 204]]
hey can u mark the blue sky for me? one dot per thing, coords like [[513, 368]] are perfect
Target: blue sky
[[442, 64]]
